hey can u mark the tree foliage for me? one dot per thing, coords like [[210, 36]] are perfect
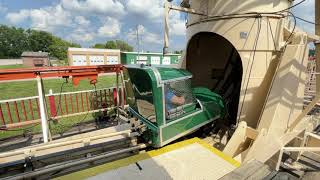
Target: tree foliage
[[14, 41], [99, 46], [59, 48], [178, 52], [117, 44]]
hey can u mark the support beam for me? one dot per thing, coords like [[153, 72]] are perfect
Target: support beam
[[43, 115], [237, 140], [317, 32]]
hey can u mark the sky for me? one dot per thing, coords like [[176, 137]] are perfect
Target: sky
[[95, 21]]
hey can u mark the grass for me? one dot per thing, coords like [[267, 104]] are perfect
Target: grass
[[15, 66], [13, 90], [56, 127]]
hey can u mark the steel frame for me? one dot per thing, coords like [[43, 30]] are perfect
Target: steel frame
[[76, 72], [301, 149]]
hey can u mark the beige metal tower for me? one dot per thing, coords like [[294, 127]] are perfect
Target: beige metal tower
[[251, 53]]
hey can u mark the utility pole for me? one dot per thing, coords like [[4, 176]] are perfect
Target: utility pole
[[166, 27], [317, 44], [138, 43]]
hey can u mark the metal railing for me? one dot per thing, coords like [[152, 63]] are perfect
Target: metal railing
[[15, 113]]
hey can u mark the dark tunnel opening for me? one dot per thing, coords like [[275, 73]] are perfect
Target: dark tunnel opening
[[216, 64]]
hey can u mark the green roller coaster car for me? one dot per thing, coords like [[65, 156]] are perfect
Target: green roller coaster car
[[150, 92]]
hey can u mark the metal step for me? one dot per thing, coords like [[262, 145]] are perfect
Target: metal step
[[251, 170]]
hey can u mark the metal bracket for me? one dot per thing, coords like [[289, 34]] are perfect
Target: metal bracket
[[28, 166]]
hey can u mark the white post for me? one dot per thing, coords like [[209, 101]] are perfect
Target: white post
[[44, 124], [279, 159], [166, 27], [50, 92]]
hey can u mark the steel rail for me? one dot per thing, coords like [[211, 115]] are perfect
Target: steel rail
[[59, 144], [75, 163]]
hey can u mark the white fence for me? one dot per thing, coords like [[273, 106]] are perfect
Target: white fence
[[4, 62]]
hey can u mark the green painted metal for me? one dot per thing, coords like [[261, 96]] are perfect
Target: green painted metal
[[158, 58], [213, 108], [172, 73], [175, 129], [162, 131], [212, 102]]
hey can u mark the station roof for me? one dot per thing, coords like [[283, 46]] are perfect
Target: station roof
[[150, 53], [34, 54], [93, 50]]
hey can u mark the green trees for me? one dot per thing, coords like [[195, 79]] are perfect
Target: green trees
[[14, 41], [59, 48], [111, 45], [99, 46], [39, 40], [178, 52], [117, 44]]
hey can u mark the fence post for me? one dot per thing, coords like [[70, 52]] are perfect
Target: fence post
[[43, 116], [117, 93], [123, 91], [52, 103]]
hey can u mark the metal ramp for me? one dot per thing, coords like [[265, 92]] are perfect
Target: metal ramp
[[189, 159]]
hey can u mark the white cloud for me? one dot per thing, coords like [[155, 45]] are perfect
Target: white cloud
[[153, 10], [46, 19], [16, 18], [110, 28], [81, 35], [178, 28], [145, 36], [110, 7], [85, 21], [176, 24], [147, 8], [50, 17], [82, 21]]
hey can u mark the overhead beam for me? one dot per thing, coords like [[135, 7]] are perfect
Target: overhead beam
[[76, 72]]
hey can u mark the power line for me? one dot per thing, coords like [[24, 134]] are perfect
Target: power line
[[307, 21], [294, 27], [295, 5]]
